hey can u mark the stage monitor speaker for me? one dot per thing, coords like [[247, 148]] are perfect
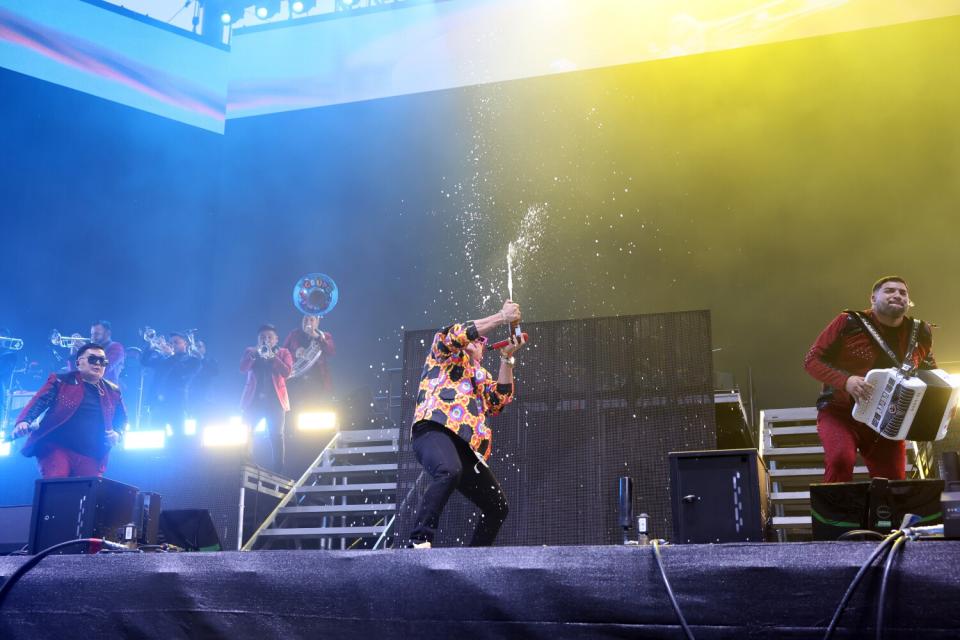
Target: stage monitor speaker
[[147, 517], [878, 505], [70, 508], [14, 528], [718, 496], [190, 529]]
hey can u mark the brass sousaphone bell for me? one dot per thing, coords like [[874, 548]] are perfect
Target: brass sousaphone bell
[[315, 294]]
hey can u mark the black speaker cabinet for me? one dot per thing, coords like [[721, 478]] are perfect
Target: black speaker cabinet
[[14, 528], [878, 505], [189, 529], [147, 517], [70, 508], [718, 496]]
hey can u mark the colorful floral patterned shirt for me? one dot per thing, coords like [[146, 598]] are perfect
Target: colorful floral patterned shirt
[[458, 394]]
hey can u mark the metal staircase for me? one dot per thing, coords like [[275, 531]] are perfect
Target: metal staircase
[[791, 449], [346, 499]]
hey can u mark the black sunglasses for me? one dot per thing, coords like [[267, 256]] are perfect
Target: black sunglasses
[[95, 360]]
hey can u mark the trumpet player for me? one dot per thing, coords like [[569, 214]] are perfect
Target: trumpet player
[[9, 351], [174, 368], [265, 394], [101, 333]]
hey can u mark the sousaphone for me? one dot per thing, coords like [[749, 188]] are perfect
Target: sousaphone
[[315, 294]]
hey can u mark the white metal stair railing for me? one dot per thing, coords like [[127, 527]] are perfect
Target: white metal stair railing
[[344, 499], [791, 449]]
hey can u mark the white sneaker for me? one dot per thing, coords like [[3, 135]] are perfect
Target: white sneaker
[[422, 545]]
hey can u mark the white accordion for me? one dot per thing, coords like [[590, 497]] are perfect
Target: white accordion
[[919, 407]]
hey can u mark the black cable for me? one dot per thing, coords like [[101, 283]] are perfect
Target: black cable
[[32, 562], [666, 583], [884, 582], [881, 548]]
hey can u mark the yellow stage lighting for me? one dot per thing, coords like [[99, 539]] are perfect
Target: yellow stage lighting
[[317, 421]]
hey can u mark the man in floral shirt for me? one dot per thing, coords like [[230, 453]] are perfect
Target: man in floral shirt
[[451, 438]]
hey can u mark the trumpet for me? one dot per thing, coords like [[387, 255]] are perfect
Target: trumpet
[[13, 344], [156, 342], [193, 349], [75, 341], [265, 351]]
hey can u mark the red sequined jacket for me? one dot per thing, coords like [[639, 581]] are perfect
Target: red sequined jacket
[[844, 349], [60, 397], [456, 393]]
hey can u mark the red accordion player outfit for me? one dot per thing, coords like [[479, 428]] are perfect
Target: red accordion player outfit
[[845, 349]]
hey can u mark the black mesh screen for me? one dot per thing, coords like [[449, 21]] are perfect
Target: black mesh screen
[[596, 399]]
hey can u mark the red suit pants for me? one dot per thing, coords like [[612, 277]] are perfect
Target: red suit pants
[[60, 462], [842, 437]]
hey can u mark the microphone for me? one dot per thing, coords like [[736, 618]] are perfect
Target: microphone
[[625, 504], [9, 437], [503, 343]]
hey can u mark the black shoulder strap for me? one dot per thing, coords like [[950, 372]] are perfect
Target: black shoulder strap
[[906, 367]]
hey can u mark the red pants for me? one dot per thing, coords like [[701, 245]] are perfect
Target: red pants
[[58, 462], [842, 437]]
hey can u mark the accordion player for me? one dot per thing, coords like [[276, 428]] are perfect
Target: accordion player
[[909, 407]]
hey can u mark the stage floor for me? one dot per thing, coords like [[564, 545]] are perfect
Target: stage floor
[[726, 591]]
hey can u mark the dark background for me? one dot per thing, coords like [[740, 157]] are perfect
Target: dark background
[[770, 185], [599, 399]]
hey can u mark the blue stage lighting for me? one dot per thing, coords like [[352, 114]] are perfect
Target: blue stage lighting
[[267, 8], [153, 439], [302, 6]]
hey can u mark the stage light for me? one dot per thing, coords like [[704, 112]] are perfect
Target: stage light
[[152, 439], [226, 18], [302, 6], [169, 430], [5, 447], [267, 8], [261, 426], [189, 427], [317, 420], [225, 435]]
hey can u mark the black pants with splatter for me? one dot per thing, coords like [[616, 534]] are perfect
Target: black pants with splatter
[[452, 465]]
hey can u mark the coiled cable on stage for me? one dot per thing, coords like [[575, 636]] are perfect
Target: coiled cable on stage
[[666, 583], [885, 581], [95, 545]]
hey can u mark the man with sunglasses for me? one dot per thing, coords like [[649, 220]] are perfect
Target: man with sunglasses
[[451, 439], [101, 333], [83, 421]]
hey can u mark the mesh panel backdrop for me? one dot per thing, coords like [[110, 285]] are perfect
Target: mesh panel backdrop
[[596, 399]]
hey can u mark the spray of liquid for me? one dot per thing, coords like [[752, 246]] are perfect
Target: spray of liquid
[[510, 270]]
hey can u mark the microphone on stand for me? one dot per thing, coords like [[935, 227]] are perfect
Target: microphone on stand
[[625, 503]]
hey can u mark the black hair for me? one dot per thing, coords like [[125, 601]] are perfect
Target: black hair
[[87, 347], [103, 323], [267, 327], [879, 283]]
